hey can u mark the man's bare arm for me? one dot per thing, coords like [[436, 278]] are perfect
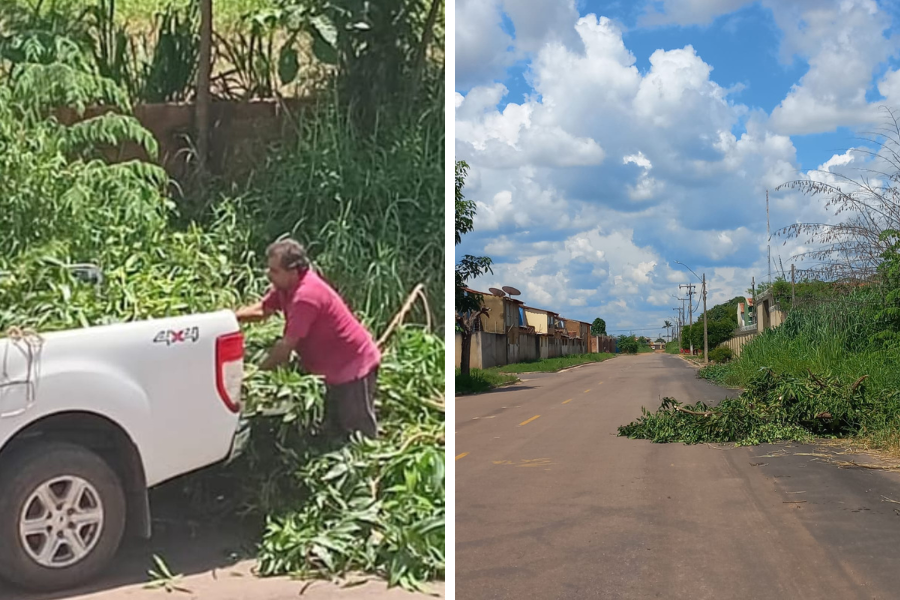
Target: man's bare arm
[[252, 313], [279, 355]]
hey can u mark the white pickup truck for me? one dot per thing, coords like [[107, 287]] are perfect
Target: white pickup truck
[[90, 419]]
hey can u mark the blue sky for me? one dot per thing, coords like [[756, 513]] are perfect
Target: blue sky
[[608, 140]]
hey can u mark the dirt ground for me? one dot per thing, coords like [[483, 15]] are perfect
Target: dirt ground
[[215, 561]]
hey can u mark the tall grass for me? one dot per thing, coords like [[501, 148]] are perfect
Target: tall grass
[[369, 208], [481, 380], [831, 337]]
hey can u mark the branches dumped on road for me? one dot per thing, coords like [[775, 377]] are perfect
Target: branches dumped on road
[[773, 408]]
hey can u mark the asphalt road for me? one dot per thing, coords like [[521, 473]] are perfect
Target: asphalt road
[[550, 503]]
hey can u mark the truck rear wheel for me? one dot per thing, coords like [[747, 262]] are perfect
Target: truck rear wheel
[[62, 515]]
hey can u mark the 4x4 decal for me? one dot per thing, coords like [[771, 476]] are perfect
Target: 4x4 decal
[[169, 337]]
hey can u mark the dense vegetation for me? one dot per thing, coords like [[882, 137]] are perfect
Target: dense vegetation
[[369, 204], [627, 344], [829, 370], [720, 326]]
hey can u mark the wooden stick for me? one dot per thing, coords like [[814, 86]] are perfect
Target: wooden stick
[[858, 381], [398, 318]]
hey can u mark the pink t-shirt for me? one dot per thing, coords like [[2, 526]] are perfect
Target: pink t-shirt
[[333, 343]]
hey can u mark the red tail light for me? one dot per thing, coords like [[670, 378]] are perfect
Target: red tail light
[[230, 369]]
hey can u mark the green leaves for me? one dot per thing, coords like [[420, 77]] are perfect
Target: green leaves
[[773, 408], [288, 64], [325, 39], [376, 506]]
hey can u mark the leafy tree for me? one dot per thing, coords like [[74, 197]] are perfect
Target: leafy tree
[[717, 332], [668, 325], [469, 307], [627, 344], [598, 327]]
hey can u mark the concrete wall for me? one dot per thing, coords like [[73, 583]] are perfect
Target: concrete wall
[[739, 341], [524, 350], [494, 350], [552, 347], [768, 314], [602, 344], [240, 133], [488, 350]]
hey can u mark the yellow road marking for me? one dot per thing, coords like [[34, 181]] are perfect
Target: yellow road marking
[[459, 456], [529, 420], [586, 391], [599, 383], [567, 401]]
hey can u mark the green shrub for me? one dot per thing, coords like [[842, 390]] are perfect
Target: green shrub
[[722, 354], [627, 344]]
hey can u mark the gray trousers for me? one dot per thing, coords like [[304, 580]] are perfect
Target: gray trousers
[[350, 407]]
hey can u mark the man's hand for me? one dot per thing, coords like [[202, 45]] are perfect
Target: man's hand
[[252, 313], [279, 355]]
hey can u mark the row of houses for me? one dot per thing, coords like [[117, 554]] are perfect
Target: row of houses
[[513, 332]]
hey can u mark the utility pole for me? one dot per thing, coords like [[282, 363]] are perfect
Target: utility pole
[[705, 336], [793, 281], [753, 291], [690, 288], [768, 238], [204, 69]]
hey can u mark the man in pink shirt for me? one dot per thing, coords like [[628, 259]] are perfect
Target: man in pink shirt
[[330, 340]]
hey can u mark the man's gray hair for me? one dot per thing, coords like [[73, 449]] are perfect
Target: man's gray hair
[[291, 254]]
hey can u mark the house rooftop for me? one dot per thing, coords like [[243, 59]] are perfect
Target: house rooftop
[[507, 298]]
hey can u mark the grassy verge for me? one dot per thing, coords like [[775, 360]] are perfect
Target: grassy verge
[[551, 365], [642, 349], [481, 381], [485, 380], [672, 347]]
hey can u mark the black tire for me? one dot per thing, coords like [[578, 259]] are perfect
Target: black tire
[[21, 474]]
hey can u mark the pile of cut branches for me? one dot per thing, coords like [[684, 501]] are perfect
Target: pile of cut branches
[[774, 407]]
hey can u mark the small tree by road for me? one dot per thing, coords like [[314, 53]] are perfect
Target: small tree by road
[[468, 307], [598, 327]]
